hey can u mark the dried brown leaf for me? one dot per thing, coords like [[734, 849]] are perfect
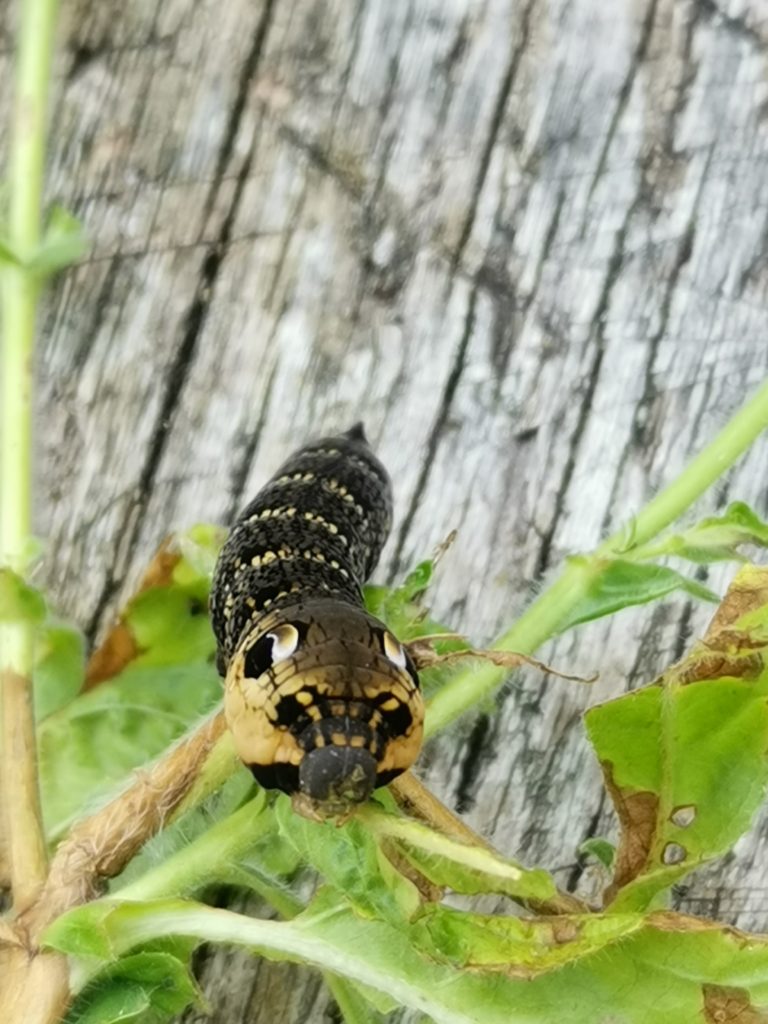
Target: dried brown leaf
[[637, 815], [726, 1005], [119, 647]]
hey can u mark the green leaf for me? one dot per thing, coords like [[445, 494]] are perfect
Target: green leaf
[[170, 624], [399, 607], [686, 764], [713, 539], [532, 946], [91, 744], [622, 583], [64, 242], [603, 968], [600, 849], [199, 546], [18, 601], [147, 987], [161, 689], [350, 860], [458, 866], [190, 829], [59, 667]]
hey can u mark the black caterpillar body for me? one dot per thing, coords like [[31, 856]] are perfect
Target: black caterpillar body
[[321, 699]]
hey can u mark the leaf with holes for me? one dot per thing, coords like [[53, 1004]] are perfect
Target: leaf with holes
[[686, 759]]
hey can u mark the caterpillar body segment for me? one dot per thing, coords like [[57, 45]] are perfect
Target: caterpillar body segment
[[322, 700]]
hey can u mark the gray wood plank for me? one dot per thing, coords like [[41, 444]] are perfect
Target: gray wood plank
[[524, 241]]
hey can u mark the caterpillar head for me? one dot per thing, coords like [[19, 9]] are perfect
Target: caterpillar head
[[324, 703]]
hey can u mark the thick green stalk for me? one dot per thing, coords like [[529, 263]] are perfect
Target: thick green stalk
[[215, 856], [545, 616], [207, 858], [19, 290]]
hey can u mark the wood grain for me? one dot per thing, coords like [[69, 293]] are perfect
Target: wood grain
[[524, 241]]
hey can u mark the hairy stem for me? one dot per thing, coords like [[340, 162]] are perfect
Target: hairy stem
[[19, 289], [544, 617], [205, 859]]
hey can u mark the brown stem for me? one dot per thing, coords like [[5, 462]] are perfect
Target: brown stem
[[100, 846], [424, 655], [23, 831]]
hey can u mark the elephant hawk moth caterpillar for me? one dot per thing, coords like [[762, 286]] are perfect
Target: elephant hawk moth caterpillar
[[322, 700]]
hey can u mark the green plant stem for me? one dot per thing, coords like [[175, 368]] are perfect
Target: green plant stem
[[19, 290], [543, 618], [215, 856], [207, 858]]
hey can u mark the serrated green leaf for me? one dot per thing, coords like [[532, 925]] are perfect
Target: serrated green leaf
[[18, 601], [147, 987], [415, 583], [399, 608], [714, 539], [349, 859], [655, 971], [64, 242], [622, 584]]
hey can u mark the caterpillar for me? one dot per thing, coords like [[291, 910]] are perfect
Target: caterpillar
[[322, 700]]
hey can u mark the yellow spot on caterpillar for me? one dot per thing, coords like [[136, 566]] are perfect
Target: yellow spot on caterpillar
[[390, 705], [305, 698], [356, 741]]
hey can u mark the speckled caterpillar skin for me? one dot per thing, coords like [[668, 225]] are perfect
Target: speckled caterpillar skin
[[320, 697]]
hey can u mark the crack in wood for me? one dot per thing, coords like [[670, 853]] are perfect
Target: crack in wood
[[435, 434], [497, 119], [476, 752], [240, 472], [195, 318], [625, 90]]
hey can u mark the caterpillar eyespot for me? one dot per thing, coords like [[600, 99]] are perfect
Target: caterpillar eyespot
[[322, 700], [285, 640], [394, 650], [270, 649]]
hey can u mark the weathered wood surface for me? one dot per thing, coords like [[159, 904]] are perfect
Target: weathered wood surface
[[524, 241]]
